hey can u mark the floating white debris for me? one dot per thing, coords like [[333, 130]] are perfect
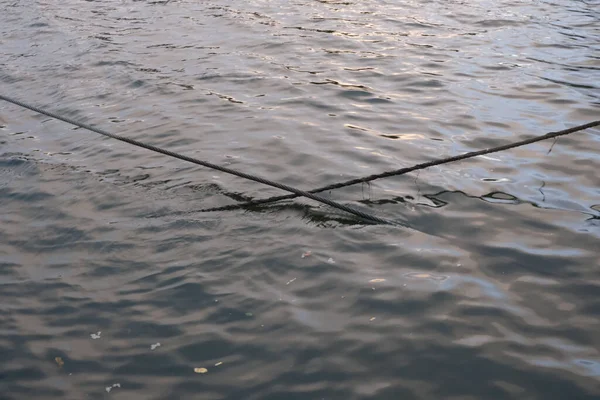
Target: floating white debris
[[200, 370], [489, 158], [109, 388], [290, 281], [372, 319], [96, 335], [219, 363], [417, 275], [154, 346], [331, 261], [377, 280], [306, 254]]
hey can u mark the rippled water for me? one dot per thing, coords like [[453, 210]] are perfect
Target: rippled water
[[113, 286]]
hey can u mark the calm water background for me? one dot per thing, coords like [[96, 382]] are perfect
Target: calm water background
[[492, 291]]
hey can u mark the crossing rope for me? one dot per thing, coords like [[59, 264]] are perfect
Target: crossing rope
[[311, 194]]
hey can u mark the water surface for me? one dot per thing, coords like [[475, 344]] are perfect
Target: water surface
[[114, 286]]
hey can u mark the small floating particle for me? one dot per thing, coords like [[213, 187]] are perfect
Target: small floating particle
[[200, 370], [306, 254], [290, 281], [331, 261], [421, 276], [96, 335], [154, 346], [372, 319], [109, 388], [219, 363], [59, 361], [377, 280], [249, 314]]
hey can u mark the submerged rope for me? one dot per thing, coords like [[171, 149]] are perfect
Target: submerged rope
[[406, 170], [297, 192]]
